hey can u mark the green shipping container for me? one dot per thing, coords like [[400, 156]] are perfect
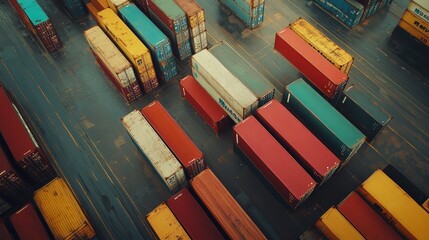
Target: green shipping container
[[241, 69], [332, 128], [369, 118]]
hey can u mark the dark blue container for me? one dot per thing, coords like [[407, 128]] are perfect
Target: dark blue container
[[348, 12], [75, 9]]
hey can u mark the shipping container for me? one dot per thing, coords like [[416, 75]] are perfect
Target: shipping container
[[335, 226], [303, 145], [28, 225], [332, 128], [368, 6], [204, 105], [100, 4], [312, 234], [75, 9], [243, 71], [117, 68], [191, 158], [394, 204], [142, 5], [116, 5], [4, 206], [347, 12], [251, 12], [192, 217], [420, 8], [13, 188], [224, 208], [20, 141], [325, 46], [36, 20], [157, 43], [5, 233], [62, 212], [196, 23], [365, 219], [362, 112], [93, 11], [414, 32], [172, 21], [155, 150], [230, 93], [419, 24], [131, 46], [320, 72], [278, 167], [165, 224]]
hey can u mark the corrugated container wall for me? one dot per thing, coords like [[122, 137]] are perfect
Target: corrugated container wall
[[75, 9], [243, 71], [191, 158], [204, 105], [28, 225], [62, 212], [332, 128], [155, 150], [113, 63], [348, 12], [251, 12], [226, 211], [165, 224], [335, 226]]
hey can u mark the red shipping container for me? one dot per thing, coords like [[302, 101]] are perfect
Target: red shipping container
[[21, 143], [28, 225], [192, 217], [191, 158], [281, 170], [4, 232], [160, 14], [48, 36], [22, 16], [317, 69], [365, 219], [205, 105], [315, 157]]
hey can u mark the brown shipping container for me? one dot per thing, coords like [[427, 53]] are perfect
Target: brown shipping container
[[28, 225], [192, 217], [281, 170], [315, 157], [100, 4], [205, 105], [92, 11], [191, 158], [48, 36], [365, 219], [227, 212]]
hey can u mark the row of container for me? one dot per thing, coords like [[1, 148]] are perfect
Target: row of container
[[251, 12], [415, 21], [352, 12], [38, 23]]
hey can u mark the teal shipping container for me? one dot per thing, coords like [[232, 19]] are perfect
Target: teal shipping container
[[241, 69], [251, 12], [156, 41], [323, 120], [369, 118], [75, 9], [348, 12]]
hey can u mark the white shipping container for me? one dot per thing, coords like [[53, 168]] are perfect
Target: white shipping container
[[155, 150], [115, 5], [199, 42], [420, 8], [242, 100], [215, 95], [202, 27]]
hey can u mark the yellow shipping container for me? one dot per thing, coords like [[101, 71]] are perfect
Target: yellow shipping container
[[335, 226], [165, 224], [136, 52], [325, 46], [62, 212], [414, 32], [396, 206], [419, 24]]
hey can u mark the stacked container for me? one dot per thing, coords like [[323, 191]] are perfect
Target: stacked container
[[158, 44], [113, 63], [173, 22], [348, 12], [373, 6], [242, 70], [415, 21], [251, 12], [229, 92], [36, 20], [75, 9], [131, 46], [25, 217], [196, 23], [115, 5]]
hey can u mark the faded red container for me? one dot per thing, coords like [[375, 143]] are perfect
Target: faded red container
[[24, 148], [281, 170], [205, 105], [160, 14], [28, 225], [191, 158], [4, 232], [307, 149], [192, 217], [22, 16], [365, 219], [319, 71], [47, 35]]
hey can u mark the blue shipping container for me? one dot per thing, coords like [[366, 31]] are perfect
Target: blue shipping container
[[75, 8], [251, 16], [348, 12]]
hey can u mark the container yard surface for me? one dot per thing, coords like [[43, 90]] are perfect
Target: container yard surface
[[76, 115]]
